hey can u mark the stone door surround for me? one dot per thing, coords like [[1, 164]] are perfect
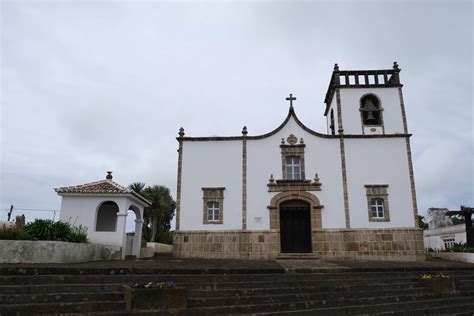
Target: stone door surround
[[315, 207]]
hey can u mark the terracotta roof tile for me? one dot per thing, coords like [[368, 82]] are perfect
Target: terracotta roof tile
[[100, 187]]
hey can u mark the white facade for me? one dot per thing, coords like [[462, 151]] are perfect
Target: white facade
[[369, 161], [363, 158]]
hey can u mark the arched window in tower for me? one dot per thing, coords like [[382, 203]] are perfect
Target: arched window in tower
[[333, 128], [370, 110]]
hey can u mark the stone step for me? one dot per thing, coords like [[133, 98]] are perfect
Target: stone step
[[109, 279], [459, 309], [294, 284], [59, 297], [8, 271], [60, 308], [298, 256], [446, 306], [324, 299], [318, 308], [60, 288], [199, 293]]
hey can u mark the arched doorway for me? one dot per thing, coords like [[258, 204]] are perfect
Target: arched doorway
[[133, 230], [295, 226]]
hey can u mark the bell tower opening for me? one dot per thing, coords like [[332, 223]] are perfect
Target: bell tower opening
[[370, 110]]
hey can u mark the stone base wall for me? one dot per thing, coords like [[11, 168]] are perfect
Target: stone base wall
[[45, 251], [402, 244]]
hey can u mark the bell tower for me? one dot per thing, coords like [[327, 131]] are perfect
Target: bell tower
[[367, 102]]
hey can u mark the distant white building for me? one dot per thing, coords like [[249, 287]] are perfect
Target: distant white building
[[348, 192], [441, 233], [102, 207]]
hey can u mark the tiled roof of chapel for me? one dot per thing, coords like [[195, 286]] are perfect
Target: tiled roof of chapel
[[106, 186]]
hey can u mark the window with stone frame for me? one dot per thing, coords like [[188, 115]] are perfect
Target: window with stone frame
[[292, 159], [213, 205], [377, 202]]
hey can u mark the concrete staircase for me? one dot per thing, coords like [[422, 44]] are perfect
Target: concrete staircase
[[260, 292]]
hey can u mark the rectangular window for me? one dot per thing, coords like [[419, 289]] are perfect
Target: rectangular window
[[449, 242], [377, 208], [212, 211], [293, 171]]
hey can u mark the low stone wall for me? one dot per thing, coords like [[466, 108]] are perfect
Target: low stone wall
[[159, 247], [401, 244], [27, 251], [455, 256]]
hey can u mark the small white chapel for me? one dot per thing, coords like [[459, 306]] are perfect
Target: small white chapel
[[102, 207], [345, 193]]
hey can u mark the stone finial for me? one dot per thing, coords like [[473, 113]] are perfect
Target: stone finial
[[181, 132], [109, 175], [395, 66], [336, 67], [283, 141], [301, 141], [316, 178], [244, 131], [292, 139], [271, 180]]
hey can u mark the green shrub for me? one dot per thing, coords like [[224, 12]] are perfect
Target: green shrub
[[78, 234], [46, 229], [12, 233], [460, 247]]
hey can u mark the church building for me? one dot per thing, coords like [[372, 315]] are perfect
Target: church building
[[346, 193]]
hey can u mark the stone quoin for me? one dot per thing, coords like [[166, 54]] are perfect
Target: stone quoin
[[295, 190]]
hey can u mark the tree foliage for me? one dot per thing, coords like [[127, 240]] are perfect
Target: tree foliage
[[421, 222], [465, 213], [158, 216]]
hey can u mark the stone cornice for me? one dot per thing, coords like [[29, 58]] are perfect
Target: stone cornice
[[291, 114]]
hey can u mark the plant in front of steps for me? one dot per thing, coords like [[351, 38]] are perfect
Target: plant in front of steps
[[427, 276], [155, 285]]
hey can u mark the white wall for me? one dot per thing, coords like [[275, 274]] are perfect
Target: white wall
[[82, 210], [433, 238], [390, 101], [219, 164], [321, 156], [378, 161], [211, 164], [368, 161]]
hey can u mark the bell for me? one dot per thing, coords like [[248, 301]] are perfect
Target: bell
[[370, 116]]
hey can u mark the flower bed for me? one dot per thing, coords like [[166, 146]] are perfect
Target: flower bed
[[163, 296], [439, 283]]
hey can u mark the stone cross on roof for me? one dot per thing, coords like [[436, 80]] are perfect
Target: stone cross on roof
[[291, 98]]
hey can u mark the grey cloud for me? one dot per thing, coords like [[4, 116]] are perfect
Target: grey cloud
[[92, 86]]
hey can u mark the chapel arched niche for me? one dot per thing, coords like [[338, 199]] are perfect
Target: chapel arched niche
[[107, 217]]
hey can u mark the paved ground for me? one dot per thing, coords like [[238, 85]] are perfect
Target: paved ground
[[171, 263]]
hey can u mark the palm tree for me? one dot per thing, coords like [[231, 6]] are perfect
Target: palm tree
[[161, 210], [466, 213], [137, 186]]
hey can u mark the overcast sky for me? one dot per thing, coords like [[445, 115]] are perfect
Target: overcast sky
[[93, 86]]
